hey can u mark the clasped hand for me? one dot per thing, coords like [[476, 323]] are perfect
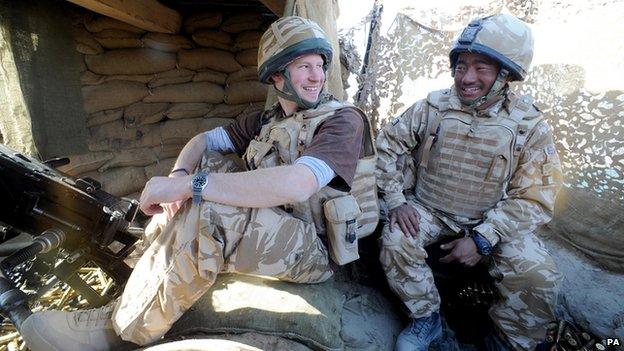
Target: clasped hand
[[165, 194], [463, 250]]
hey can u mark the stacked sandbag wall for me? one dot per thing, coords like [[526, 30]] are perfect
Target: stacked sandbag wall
[[146, 94]]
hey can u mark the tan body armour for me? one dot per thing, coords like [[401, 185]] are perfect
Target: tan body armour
[[342, 216], [466, 161]]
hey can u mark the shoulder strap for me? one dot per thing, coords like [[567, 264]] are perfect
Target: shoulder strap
[[440, 101], [519, 114]]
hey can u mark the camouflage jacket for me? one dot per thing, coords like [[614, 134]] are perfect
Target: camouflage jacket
[[529, 192]]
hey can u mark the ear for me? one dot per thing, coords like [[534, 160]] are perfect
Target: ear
[[277, 77]]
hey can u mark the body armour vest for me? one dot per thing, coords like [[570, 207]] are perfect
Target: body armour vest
[[467, 161], [282, 140]]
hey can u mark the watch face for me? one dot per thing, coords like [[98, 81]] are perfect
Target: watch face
[[199, 181]]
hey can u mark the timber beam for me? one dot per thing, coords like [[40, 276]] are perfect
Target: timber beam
[[150, 15]]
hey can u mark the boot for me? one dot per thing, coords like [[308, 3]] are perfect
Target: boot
[[420, 333], [85, 330]]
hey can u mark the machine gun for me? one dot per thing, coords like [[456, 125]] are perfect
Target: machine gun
[[71, 221]]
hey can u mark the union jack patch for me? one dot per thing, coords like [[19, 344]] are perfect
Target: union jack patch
[[550, 150]]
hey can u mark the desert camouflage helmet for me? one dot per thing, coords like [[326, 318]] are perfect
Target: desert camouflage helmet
[[503, 38], [288, 38]]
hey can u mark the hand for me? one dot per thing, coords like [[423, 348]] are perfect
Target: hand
[[407, 217], [164, 190], [171, 208], [464, 252]]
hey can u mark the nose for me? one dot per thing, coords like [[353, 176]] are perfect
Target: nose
[[316, 74], [470, 76]]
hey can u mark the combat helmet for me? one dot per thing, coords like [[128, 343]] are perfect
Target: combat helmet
[[501, 37], [285, 40], [505, 39]]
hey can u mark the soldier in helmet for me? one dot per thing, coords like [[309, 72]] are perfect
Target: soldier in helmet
[[484, 169], [301, 153]]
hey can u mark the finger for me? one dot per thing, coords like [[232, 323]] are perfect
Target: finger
[[152, 209], [448, 246], [415, 219], [392, 222], [448, 258], [407, 227]]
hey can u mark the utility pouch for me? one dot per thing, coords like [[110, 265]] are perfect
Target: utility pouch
[[261, 153], [341, 216]]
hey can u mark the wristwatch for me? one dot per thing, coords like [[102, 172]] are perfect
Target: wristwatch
[[198, 183], [484, 247]]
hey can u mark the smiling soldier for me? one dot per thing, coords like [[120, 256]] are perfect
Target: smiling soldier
[[485, 171], [302, 156]]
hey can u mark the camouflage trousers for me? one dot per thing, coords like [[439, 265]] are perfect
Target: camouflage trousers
[[183, 257], [524, 272]]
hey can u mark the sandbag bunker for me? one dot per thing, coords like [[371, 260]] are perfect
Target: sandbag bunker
[[146, 94]]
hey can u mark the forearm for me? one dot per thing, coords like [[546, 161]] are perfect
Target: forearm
[[191, 154], [262, 187], [394, 146]]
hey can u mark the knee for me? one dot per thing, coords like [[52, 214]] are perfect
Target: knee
[[542, 278], [398, 247]]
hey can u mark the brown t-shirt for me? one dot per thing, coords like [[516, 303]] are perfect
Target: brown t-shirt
[[338, 142]]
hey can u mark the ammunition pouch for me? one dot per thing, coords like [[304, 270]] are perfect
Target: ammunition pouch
[[341, 214]]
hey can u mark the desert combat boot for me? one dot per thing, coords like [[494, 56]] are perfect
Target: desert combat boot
[[85, 330], [420, 333]]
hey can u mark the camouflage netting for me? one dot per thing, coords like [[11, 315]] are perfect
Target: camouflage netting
[[411, 58]]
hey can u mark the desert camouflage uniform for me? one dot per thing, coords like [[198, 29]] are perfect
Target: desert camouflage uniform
[[185, 256], [525, 273]]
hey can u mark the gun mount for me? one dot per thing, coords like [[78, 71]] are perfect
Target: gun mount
[[71, 221]]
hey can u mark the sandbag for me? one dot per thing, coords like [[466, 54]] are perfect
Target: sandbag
[[592, 225], [242, 22], [90, 78], [160, 168], [104, 117], [213, 39], [309, 313], [167, 150], [247, 73], [231, 342], [141, 78], [210, 76], [142, 113], [118, 39], [85, 42], [244, 92], [120, 181], [188, 110], [131, 61], [247, 40], [247, 57], [85, 163], [178, 75], [202, 20], [114, 136], [230, 111], [166, 42], [182, 130], [112, 95], [130, 157], [101, 23], [187, 92], [214, 59]]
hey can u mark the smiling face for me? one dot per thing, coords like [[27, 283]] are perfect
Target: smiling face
[[307, 77], [474, 76]]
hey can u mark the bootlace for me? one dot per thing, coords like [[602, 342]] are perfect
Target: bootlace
[[95, 317]]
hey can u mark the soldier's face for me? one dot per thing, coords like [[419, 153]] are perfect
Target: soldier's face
[[307, 76], [474, 75]]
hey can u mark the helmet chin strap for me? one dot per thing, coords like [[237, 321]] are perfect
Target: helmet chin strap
[[289, 93], [495, 91]]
